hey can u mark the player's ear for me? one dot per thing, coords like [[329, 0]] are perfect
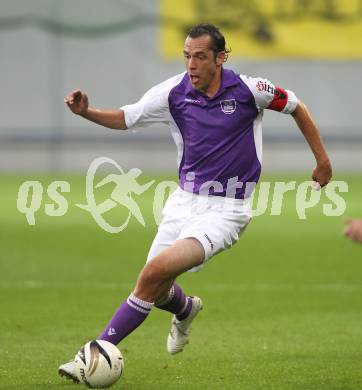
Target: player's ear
[[220, 58]]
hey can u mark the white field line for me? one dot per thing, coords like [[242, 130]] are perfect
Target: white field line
[[336, 287], [34, 284]]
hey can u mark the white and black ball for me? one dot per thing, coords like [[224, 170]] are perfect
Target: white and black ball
[[99, 364]]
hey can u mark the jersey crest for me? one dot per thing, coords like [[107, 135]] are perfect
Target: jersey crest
[[228, 106]]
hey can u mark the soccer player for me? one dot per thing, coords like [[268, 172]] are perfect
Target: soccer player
[[215, 118]]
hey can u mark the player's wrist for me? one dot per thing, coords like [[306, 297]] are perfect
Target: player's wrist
[[86, 113], [324, 162]]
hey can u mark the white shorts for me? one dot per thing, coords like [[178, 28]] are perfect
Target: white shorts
[[216, 222]]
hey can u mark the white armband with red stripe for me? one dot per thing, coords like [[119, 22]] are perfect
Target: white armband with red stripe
[[268, 96]]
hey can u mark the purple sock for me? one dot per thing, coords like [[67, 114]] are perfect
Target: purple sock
[[126, 319], [177, 303]]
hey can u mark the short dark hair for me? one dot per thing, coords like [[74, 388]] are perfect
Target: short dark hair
[[218, 40]]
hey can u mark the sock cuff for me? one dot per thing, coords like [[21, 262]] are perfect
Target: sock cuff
[[187, 300], [171, 293], [138, 304], [168, 299]]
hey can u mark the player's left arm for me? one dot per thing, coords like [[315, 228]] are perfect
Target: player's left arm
[[322, 173], [268, 96]]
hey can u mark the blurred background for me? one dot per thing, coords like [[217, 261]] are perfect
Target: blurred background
[[116, 49]]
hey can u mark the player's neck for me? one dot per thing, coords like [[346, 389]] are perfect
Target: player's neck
[[214, 86]]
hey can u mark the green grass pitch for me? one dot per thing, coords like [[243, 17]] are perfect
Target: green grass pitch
[[282, 309]]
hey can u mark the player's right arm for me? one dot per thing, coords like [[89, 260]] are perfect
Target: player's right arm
[[77, 101], [152, 108]]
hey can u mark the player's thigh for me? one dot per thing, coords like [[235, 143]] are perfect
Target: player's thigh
[[217, 230], [165, 237], [174, 216], [159, 273], [178, 258]]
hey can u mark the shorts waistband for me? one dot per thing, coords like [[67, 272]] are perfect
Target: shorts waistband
[[214, 199]]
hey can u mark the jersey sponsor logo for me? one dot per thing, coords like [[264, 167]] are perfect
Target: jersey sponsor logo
[[192, 101], [280, 98], [228, 106], [264, 86]]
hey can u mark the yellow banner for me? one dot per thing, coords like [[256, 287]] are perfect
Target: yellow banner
[[256, 29]]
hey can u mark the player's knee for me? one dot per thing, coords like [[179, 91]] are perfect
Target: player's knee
[[152, 275]]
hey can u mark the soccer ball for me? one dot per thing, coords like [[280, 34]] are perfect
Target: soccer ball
[[98, 364]]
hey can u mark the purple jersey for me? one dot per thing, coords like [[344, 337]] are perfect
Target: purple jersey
[[219, 139]]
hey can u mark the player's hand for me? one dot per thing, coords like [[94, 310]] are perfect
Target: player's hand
[[322, 173], [353, 230], [77, 101]]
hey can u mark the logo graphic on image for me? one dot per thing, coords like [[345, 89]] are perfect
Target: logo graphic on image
[[125, 185], [260, 85], [111, 332], [228, 106]]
